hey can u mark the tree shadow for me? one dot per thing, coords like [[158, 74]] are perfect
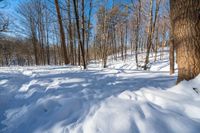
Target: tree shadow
[[69, 101]]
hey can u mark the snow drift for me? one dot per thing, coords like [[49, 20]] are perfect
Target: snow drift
[[149, 110], [119, 99]]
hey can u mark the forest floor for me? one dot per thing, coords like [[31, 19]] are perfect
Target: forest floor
[[118, 99]]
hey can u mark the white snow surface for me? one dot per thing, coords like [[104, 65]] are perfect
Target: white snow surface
[[119, 99]]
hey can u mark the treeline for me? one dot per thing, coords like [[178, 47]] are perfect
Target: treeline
[[57, 32], [20, 52], [78, 31]]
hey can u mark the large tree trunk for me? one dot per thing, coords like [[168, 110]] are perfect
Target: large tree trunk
[[62, 33], [186, 28]]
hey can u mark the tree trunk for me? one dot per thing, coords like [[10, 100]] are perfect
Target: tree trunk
[[83, 27], [163, 41], [151, 30], [88, 33], [78, 32], [70, 33], [156, 45], [171, 57], [122, 43], [137, 32], [34, 41], [185, 23], [149, 38], [62, 34]]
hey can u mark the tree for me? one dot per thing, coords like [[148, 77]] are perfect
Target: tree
[[186, 37], [88, 30], [62, 34], [4, 22], [27, 11], [138, 21], [70, 32], [81, 43], [153, 19]]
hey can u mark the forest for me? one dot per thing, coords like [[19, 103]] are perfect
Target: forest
[[49, 32], [76, 32], [99, 66]]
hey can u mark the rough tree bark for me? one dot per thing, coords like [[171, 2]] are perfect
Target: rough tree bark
[[171, 56], [185, 20], [171, 50]]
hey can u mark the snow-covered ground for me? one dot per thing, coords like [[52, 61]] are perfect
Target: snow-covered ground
[[119, 99]]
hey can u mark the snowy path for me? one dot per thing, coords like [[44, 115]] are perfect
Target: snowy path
[[60, 99]]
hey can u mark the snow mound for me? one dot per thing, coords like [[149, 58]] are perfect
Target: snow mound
[[175, 110]]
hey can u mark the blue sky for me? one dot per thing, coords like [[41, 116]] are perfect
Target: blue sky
[[9, 5], [10, 11]]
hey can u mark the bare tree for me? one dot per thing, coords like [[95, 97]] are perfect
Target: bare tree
[[4, 23], [26, 10], [151, 29], [138, 22], [88, 30], [62, 34], [70, 32], [81, 43]]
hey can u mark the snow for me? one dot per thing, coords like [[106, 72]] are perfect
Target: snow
[[148, 110], [118, 99]]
